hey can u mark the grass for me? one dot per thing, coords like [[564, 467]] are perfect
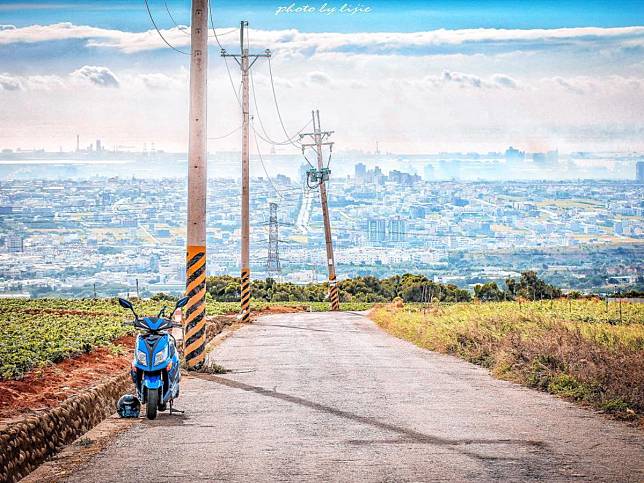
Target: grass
[[574, 349], [37, 332]]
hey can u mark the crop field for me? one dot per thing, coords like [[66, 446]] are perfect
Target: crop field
[[41, 331], [583, 350]]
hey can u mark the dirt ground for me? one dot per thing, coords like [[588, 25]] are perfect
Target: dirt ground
[[277, 309], [47, 386]]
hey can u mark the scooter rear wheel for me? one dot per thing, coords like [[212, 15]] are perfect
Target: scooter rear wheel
[[152, 403]]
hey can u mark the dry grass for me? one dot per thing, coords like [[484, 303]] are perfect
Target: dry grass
[[575, 350]]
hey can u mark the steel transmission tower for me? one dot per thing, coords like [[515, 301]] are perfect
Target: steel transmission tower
[[273, 266], [321, 175], [243, 61], [195, 312]]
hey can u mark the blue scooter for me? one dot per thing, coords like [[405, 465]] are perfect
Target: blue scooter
[[155, 369]]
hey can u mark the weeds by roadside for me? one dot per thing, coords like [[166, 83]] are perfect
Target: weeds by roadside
[[212, 368], [563, 348]]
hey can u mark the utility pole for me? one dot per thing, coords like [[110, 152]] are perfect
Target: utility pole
[[321, 175], [243, 61], [273, 264], [94, 290], [138, 295], [195, 311]]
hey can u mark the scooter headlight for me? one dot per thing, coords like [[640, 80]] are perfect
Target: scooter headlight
[[161, 356], [141, 357]]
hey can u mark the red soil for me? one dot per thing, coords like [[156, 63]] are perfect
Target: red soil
[[47, 386], [282, 309]]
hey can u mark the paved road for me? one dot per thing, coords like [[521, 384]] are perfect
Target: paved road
[[330, 397]]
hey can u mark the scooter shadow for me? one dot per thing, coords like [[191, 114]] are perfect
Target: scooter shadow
[[166, 419]]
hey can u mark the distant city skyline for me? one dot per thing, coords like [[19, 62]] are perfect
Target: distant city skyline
[[62, 236]]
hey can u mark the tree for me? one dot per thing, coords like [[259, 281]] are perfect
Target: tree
[[489, 292], [531, 287]]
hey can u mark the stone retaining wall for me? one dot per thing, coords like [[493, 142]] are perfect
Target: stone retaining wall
[[27, 443]]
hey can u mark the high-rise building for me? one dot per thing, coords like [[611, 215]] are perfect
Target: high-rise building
[[360, 172], [512, 154], [417, 212], [155, 263], [640, 172], [15, 244], [302, 172], [428, 172], [376, 230], [397, 230], [99, 147]]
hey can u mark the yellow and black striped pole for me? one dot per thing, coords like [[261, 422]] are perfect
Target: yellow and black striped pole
[[195, 309], [334, 295], [245, 295], [195, 314]]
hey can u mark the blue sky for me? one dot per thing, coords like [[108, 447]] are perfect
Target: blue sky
[[416, 76], [399, 16]]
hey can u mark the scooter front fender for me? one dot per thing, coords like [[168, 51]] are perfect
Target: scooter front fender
[[152, 382]]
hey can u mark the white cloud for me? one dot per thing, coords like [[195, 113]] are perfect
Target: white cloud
[[463, 80], [10, 83], [44, 82], [100, 76], [319, 78], [97, 77], [503, 80], [158, 80], [423, 98], [294, 42]]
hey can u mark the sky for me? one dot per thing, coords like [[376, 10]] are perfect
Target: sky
[[414, 76]]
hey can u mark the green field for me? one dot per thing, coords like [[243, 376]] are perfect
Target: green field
[[577, 349], [41, 331]]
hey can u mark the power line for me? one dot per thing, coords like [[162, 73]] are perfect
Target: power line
[[184, 29], [277, 108], [287, 141], [167, 9], [147, 6], [264, 166], [226, 135], [230, 76], [267, 138]]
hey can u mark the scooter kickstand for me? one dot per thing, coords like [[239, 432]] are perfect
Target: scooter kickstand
[[172, 410]]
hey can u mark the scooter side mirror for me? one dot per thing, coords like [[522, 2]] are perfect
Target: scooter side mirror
[[181, 302], [126, 304]]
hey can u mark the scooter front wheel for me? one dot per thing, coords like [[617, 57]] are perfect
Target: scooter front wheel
[[152, 403]]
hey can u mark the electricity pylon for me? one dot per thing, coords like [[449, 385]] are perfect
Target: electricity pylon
[[243, 60], [195, 312], [321, 176], [273, 262]]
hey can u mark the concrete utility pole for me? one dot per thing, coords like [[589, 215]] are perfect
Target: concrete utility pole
[[321, 175], [243, 61], [195, 310]]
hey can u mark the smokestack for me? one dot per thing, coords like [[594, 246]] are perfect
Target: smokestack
[[77, 142]]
